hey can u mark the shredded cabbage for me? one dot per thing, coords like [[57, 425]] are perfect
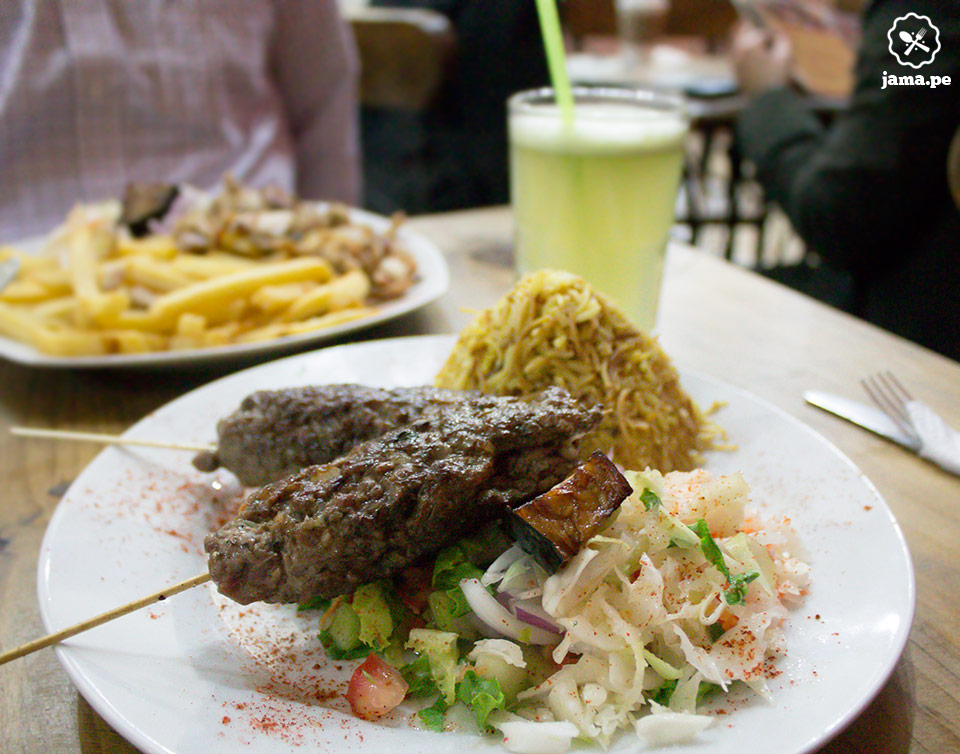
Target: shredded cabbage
[[536, 737], [679, 595], [665, 727]]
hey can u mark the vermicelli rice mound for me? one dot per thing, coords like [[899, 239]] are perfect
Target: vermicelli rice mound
[[553, 329]]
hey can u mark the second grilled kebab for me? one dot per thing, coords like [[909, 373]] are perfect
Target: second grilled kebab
[[275, 433]]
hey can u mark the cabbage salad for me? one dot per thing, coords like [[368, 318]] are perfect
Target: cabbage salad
[[681, 595]]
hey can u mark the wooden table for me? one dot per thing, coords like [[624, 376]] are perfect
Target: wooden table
[[715, 318]]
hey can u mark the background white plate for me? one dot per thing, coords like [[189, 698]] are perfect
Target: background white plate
[[665, 67], [433, 279], [199, 675]]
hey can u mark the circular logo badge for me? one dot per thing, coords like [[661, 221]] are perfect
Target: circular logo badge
[[914, 40]]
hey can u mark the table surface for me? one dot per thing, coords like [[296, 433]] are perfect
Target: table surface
[[715, 318]]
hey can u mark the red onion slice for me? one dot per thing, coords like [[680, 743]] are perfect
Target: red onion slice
[[529, 611], [501, 620]]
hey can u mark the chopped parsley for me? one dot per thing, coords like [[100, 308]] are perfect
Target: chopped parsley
[[737, 591], [650, 499]]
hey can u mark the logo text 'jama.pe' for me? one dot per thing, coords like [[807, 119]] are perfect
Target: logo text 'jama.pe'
[[890, 79]]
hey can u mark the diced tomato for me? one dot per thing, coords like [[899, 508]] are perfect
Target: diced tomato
[[375, 688]]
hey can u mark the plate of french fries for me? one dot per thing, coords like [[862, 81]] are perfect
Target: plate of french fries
[[200, 276]]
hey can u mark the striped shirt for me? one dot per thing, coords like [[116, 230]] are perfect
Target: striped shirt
[[97, 93]]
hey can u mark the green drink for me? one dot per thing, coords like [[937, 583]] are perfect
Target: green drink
[[596, 196]]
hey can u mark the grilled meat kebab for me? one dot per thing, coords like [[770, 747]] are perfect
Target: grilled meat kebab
[[365, 516], [275, 433]]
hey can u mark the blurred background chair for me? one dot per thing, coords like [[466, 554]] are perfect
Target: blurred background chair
[[404, 55], [589, 18], [708, 20], [450, 150]]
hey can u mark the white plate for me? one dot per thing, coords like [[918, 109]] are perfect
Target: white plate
[[665, 68], [433, 279], [199, 675]]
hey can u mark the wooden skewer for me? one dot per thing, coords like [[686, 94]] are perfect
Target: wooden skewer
[[63, 434], [66, 633]]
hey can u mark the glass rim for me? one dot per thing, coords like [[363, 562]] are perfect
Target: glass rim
[[528, 100]]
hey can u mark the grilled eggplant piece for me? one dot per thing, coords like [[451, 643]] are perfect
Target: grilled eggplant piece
[[553, 527], [143, 202], [331, 528]]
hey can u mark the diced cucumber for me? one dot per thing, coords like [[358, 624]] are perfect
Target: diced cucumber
[[341, 639]]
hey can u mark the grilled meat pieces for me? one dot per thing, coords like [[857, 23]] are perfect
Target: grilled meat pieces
[[275, 433], [332, 527]]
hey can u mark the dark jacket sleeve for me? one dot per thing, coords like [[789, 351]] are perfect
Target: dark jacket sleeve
[[859, 190]]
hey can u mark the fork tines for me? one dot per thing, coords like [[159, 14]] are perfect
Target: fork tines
[[890, 397]]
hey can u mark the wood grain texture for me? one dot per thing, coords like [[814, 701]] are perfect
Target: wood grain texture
[[715, 318]]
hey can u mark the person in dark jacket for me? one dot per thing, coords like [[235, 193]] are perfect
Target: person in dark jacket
[[869, 193], [458, 156]]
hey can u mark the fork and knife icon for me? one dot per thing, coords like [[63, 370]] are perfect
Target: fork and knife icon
[[914, 41]]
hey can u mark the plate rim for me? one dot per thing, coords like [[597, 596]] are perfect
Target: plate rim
[[102, 704], [427, 289], [903, 633]]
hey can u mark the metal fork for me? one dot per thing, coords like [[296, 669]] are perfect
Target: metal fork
[[891, 397]]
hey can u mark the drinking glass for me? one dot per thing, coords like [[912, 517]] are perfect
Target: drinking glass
[[595, 195], [639, 22]]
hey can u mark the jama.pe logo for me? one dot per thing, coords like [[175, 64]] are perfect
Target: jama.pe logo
[[914, 40]]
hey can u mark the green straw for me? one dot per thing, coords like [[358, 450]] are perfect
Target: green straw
[[556, 59]]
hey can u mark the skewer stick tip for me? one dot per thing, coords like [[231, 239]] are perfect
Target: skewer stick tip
[[86, 625]]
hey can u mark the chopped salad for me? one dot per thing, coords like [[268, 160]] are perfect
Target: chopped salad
[[680, 595]]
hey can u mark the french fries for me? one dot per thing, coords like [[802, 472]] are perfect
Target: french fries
[[96, 290]]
